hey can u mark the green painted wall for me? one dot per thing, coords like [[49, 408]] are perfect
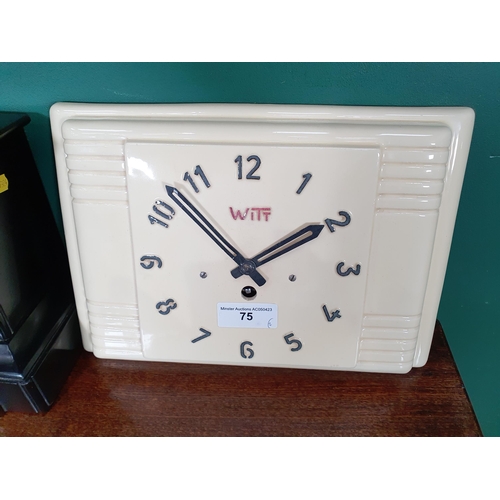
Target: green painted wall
[[470, 304]]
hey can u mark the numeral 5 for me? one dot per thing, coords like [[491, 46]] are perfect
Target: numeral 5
[[290, 341]]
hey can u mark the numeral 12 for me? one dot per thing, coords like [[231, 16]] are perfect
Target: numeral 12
[[250, 175]]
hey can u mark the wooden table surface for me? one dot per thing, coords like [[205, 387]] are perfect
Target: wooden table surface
[[131, 398]]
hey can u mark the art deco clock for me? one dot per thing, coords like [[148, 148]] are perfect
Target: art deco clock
[[265, 235]]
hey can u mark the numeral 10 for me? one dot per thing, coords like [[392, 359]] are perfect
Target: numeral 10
[[158, 208]]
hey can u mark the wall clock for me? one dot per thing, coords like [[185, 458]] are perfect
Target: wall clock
[[264, 235]]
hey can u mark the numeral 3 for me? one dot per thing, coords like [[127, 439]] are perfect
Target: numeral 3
[[349, 270]]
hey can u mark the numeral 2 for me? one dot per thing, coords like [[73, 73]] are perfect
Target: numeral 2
[[250, 175], [331, 223]]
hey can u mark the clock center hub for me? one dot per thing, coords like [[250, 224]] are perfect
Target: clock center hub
[[248, 267]]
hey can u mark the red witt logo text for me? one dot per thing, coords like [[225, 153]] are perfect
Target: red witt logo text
[[255, 213]]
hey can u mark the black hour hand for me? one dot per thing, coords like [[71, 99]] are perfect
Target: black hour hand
[[280, 248]]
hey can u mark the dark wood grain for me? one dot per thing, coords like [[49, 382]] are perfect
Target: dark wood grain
[[119, 398]]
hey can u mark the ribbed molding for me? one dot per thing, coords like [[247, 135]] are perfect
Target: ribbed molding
[[388, 341], [411, 179], [115, 327]]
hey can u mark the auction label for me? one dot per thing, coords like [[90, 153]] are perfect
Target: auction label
[[244, 315]]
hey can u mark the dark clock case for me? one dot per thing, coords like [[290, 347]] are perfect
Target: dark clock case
[[39, 332]]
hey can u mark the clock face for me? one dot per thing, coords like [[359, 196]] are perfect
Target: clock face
[[251, 254]]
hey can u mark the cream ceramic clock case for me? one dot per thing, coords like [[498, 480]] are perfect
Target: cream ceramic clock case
[[292, 236]]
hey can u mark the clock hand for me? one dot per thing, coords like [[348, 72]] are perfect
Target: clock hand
[[247, 266], [288, 244]]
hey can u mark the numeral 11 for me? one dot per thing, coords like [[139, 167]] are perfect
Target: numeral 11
[[197, 171]]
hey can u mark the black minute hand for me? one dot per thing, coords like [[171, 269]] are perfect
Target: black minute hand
[[190, 210], [287, 244]]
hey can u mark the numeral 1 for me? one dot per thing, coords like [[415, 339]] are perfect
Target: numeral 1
[[240, 167], [197, 171], [307, 178]]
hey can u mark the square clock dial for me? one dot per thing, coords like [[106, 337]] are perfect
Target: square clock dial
[[287, 236]]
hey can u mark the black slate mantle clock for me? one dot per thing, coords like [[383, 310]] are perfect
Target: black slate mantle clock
[[39, 334]]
